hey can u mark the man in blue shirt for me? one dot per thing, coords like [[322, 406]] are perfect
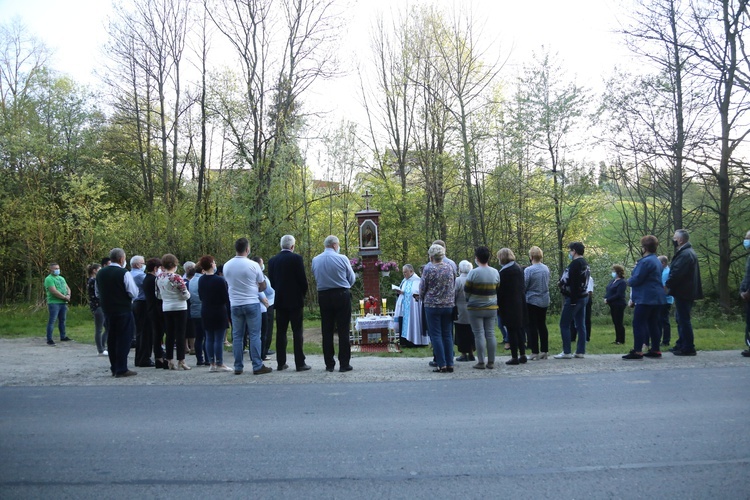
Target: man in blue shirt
[[143, 338], [334, 277]]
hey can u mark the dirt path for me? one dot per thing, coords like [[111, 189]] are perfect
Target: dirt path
[[30, 362]]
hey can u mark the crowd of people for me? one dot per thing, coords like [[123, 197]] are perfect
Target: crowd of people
[[167, 315]]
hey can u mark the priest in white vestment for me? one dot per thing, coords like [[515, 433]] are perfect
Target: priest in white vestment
[[409, 310]]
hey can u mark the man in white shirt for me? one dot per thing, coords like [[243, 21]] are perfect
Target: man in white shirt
[[246, 281]]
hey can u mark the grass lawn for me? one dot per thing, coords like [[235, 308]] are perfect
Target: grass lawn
[[711, 334]]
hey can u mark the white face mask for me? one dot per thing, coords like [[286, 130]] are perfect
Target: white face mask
[[263, 267], [338, 248]]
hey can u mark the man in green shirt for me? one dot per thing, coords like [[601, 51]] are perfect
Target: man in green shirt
[[58, 296]]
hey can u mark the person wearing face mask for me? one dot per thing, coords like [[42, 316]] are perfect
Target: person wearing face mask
[[615, 299], [648, 296], [684, 284], [334, 277], [572, 285], [408, 310], [745, 296], [58, 297]]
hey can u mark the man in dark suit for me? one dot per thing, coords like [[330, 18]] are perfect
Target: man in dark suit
[[287, 273]]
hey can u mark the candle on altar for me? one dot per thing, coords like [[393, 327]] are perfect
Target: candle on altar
[[362, 307], [385, 307]]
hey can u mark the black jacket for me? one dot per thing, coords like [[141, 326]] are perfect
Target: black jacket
[[286, 270], [684, 282], [511, 297]]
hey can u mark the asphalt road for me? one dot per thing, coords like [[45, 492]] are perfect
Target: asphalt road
[[649, 434]]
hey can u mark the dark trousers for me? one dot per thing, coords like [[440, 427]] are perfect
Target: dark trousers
[[263, 334], [685, 338], [646, 326], [175, 322], [285, 317], [201, 355], [144, 342], [617, 311], [538, 333], [120, 336], [574, 332], [516, 339], [157, 333], [747, 324], [664, 326], [335, 312], [269, 337]]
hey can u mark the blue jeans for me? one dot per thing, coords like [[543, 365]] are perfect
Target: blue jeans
[[100, 330], [246, 317], [56, 312], [685, 338], [575, 313], [646, 326], [440, 327], [502, 328], [201, 354], [215, 346]]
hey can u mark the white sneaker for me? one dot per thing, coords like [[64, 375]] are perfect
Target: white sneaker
[[104, 353], [213, 369], [532, 357], [579, 356], [223, 368], [562, 355], [542, 355]]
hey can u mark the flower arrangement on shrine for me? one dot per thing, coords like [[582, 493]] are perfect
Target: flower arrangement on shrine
[[388, 266], [357, 265]]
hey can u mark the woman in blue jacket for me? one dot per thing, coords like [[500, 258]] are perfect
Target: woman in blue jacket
[[648, 296], [615, 299]]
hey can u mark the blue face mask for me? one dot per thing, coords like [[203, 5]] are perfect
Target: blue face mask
[[56, 272], [614, 275], [746, 244], [570, 256]]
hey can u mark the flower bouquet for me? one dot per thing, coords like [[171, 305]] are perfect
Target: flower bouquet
[[357, 265], [385, 268]]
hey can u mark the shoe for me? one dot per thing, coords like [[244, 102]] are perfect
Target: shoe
[[102, 353], [183, 365], [472, 358], [440, 370], [224, 368], [303, 368], [213, 369], [616, 343], [433, 364], [533, 357], [542, 355], [562, 355], [578, 355], [171, 365], [282, 367], [346, 368], [633, 355], [523, 359], [513, 361], [265, 358], [507, 346], [105, 352], [150, 364], [684, 353], [263, 369], [128, 373], [270, 352], [65, 339], [490, 365], [329, 369], [238, 372], [50, 342], [746, 353], [652, 354], [462, 358], [479, 366]]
